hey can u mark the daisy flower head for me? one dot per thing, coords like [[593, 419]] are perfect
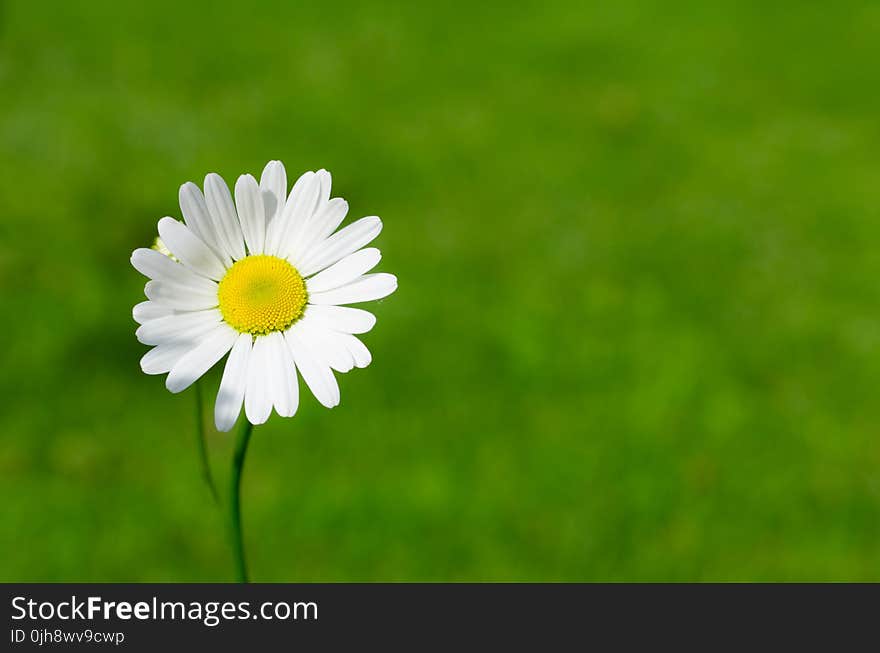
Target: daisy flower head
[[260, 275]]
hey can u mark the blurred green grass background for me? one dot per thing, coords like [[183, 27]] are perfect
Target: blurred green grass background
[[636, 335]]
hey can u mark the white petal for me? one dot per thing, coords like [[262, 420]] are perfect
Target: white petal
[[251, 213], [340, 318], [297, 213], [146, 311], [182, 327], [356, 348], [280, 225], [155, 265], [273, 187], [325, 221], [324, 346], [344, 242], [344, 271], [364, 289], [199, 360], [223, 212], [325, 180], [232, 386], [190, 249], [283, 386], [197, 218], [305, 233], [318, 376], [179, 296], [162, 358], [257, 399], [299, 185]]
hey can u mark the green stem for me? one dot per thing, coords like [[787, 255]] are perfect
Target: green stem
[[241, 445], [203, 446]]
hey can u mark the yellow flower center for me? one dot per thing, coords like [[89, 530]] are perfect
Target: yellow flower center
[[260, 294]]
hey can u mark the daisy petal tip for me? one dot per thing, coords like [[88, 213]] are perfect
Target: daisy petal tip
[[223, 423], [257, 419], [139, 334], [186, 189], [175, 384], [246, 178], [274, 169]]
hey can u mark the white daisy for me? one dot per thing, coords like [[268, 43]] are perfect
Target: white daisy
[[262, 278]]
